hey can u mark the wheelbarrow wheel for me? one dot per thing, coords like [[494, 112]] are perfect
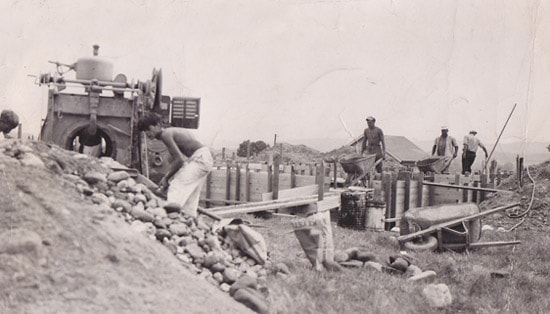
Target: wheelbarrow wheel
[[426, 243]]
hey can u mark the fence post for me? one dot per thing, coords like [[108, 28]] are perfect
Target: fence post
[[320, 179], [407, 191], [247, 183], [227, 181], [292, 177], [420, 188], [275, 182], [208, 190], [386, 187], [237, 182]]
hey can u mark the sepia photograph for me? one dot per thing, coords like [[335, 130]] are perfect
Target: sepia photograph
[[274, 156]]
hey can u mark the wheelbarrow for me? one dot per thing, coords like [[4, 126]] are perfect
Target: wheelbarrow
[[437, 164], [456, 227], [357, 167]]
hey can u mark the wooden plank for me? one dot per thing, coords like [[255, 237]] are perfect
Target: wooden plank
[[275, 182], [228, 181], [407, 193], [475, 188], [393, 207], [307, 190], [208, 189], [292, 177], [237, 182], [483, 180], [270, 178], [328, 203], [419, 190], [264, 206], [386, 187], [214, 201], [321, 180], [247, 183]]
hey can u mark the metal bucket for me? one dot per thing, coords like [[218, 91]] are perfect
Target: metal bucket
[[375, 215], [353, 209]]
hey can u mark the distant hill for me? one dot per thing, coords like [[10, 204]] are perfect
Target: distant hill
[[312, 150]]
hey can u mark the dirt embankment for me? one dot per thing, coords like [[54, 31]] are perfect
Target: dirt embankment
[[60, 253]]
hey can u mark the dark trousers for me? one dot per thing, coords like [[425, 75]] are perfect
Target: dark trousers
[[376, 149], [467, 161]]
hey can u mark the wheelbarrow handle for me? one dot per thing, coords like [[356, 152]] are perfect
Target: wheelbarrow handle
[[434, 228]]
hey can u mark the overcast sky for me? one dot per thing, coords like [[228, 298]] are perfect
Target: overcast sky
[[303, 69]]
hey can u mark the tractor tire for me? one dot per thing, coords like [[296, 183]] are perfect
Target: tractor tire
[[426, 243]]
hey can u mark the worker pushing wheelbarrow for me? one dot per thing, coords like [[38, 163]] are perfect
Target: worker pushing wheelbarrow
[[357, 168]]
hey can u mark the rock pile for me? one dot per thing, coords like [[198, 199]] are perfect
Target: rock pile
[[193, 240], [399, 264]]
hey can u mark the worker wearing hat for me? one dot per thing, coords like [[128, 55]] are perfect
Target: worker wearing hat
[[471, 143], [373, 142], [446, 146], [8, 121]]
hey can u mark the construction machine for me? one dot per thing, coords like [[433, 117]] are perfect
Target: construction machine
[[93, 108]]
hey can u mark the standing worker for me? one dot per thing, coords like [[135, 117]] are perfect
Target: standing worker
[[185, 178], [471, 142], [373, 142], [8, 121], [445, 145]]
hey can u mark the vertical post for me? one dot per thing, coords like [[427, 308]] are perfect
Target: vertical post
[[248, 150], [457, 183], [223, 153], [275, 182], [247, 183], [475, 197], [227, 181], [270, 178], [519, 163], [320, 179], [208, 190], [334, 174], [407, 192], [420, 189], [393, 213], [483, 179], [237, 182], [431, 193], [20, 131], [386, 187], [292, 177], [465, 193]]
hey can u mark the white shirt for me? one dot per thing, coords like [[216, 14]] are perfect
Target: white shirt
[[471, 142]]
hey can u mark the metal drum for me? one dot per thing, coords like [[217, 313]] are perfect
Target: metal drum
[[353, 210]]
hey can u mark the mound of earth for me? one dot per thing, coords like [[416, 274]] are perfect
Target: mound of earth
[[532, 194], [61, 253]]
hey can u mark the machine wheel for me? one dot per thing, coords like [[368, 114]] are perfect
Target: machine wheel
[[426, 243]]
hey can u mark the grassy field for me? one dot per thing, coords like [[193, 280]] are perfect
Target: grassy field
[[506, 279]]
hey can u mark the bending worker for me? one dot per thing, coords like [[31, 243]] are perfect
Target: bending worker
[[471, 143], [191, 162], [373, 142]]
